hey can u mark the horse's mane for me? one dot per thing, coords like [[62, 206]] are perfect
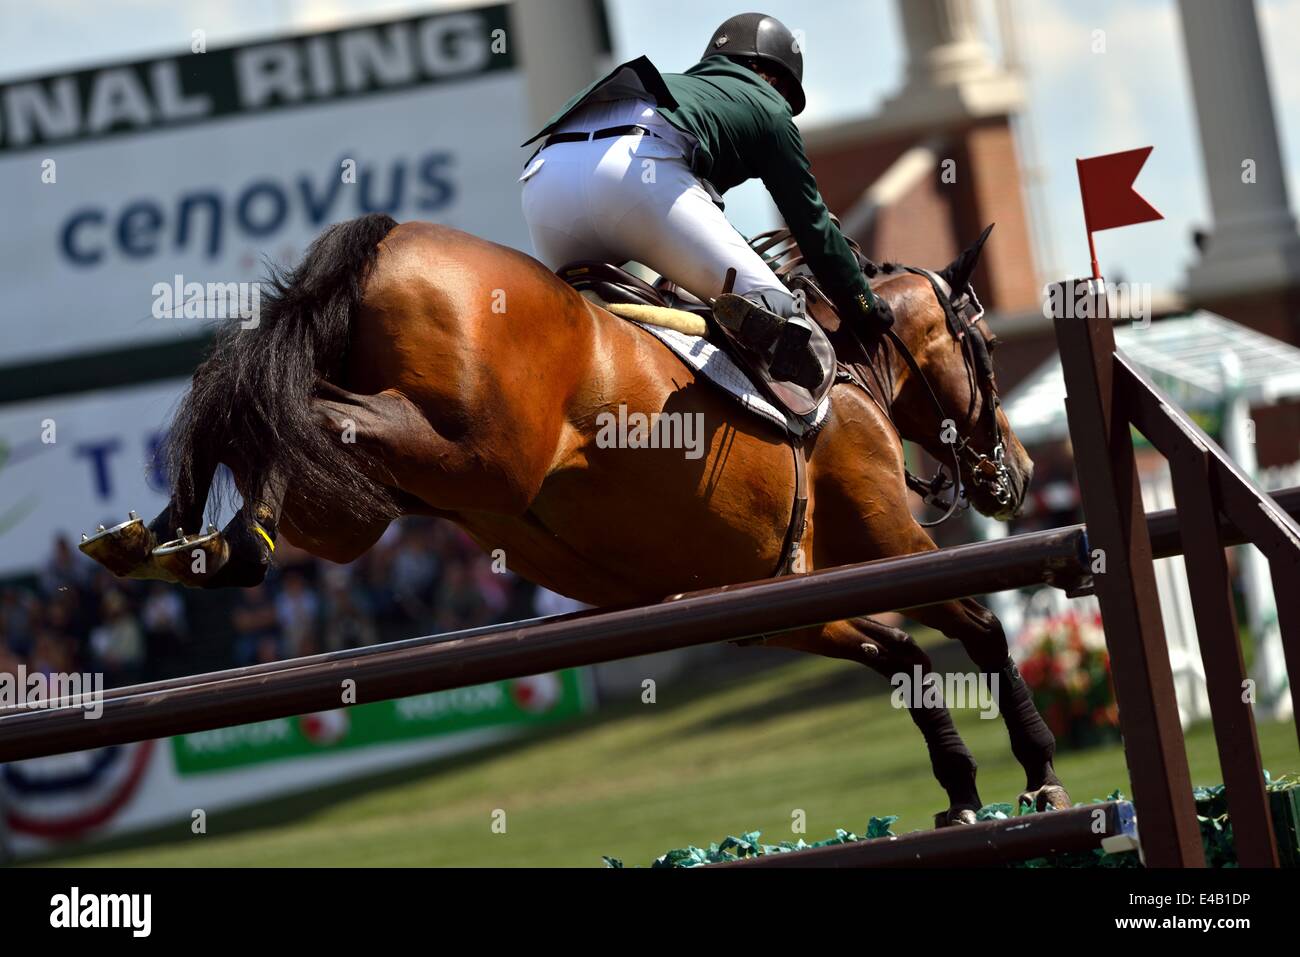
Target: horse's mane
[[871, 269]]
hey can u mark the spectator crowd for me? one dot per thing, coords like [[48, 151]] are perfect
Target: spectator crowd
[[423, 576]]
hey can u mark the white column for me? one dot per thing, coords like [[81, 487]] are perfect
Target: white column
[[943, 42], [559, 44], [951, 74], [1253, 244]]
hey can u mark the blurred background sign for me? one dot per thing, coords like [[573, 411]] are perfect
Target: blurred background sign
[[100, 465], [110, 792], [202, 165]]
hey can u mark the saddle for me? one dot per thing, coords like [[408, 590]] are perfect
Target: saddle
[[613, 286], [625, 294]]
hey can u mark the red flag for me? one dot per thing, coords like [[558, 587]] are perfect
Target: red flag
[[1109, 199]]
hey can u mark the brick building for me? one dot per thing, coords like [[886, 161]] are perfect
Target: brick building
[[942, 158]]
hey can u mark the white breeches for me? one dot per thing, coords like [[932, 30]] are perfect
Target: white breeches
[[633, 197]]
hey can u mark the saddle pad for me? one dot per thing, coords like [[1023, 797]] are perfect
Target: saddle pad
[[684, 322], [715, 365]]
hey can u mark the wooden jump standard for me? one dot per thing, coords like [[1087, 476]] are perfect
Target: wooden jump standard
[[1106, 394]]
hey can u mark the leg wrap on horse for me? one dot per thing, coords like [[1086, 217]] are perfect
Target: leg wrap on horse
[[1032, 742], [952, 762], [252, 545], [953, 765]]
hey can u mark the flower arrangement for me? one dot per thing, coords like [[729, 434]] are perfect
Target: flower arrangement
[[1067, 668]]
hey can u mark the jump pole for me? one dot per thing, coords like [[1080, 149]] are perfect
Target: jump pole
[[514, 651]]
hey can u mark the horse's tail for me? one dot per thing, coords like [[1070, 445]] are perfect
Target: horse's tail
[[250, 402]]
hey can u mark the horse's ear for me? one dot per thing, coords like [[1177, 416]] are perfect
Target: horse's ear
[[957, 273]]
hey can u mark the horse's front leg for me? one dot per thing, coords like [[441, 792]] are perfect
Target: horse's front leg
[[891, 652], [1032, 743]]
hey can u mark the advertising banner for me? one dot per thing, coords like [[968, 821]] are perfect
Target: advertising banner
[[68, 464], [52, 804], [116, 180], [535, 700]]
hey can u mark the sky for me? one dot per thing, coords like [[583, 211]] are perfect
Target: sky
[[1081, 103]]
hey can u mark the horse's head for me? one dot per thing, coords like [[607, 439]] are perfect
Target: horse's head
[[953, 349]]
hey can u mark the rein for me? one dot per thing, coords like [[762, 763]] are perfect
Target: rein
[[931, 490]]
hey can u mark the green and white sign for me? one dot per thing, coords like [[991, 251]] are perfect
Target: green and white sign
[[540, 699]]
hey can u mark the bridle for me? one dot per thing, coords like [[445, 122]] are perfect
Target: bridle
[[963, 314], [987, 471]]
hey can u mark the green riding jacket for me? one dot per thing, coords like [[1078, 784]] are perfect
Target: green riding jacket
[[741, 128]]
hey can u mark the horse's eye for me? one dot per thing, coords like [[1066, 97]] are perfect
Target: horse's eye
[[992, 342]]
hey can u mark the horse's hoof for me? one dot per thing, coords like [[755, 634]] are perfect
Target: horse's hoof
[[954, 817], [1048, 796], [192, 560], [123, 549]]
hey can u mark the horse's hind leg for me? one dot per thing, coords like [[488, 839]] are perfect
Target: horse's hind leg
[[236, 557], [250, 535], [389, 440], [370, 425], [451, 466], [890, 652], [130, 550], [1033, 744]]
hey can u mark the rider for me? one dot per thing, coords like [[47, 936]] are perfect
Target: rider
[[632, 168]]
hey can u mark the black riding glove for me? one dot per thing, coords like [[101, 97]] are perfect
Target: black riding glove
[[869, 312], [879, 317]]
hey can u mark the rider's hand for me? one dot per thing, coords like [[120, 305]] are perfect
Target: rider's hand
[[879, 317], [870, 312]]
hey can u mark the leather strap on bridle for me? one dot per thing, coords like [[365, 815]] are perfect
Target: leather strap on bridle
[[978, 362], [975, 355], [929, 490]]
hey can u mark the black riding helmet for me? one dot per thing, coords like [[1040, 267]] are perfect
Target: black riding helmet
[[751, 36]]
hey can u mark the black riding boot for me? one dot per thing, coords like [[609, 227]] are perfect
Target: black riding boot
[[783, 342]]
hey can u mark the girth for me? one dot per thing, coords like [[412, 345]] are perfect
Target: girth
[[798, 513], [794, 532]]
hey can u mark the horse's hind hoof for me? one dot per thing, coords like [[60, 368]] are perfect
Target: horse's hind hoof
[[193, 560], [123, 549], [954, 817], [1052, 796]]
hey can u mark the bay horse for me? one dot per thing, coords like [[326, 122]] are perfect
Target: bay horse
[[415, 369]]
